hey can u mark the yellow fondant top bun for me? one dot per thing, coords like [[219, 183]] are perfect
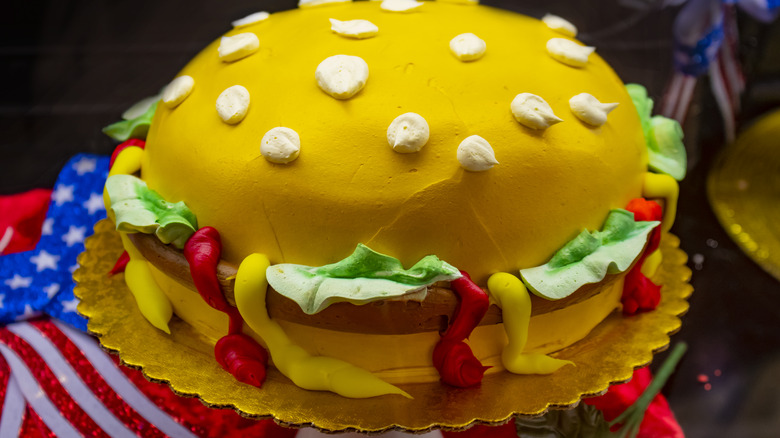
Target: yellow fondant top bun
[[347, 185]]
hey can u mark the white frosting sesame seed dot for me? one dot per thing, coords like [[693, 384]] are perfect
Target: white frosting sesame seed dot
[[358, 29], [312, 3], [408, 133], [400, 5], [568, 52], [475, 154], [251, 19], [533, 112], [560, 25], [467, 47], [233, 104], [342, 76], [588, 109], [280, 145], [177, 91], [238, 46]]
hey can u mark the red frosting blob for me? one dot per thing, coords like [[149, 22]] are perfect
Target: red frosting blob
[[639, 293], [202, 251], [242, 357], [452, 357], [120, 265], [457, 365]]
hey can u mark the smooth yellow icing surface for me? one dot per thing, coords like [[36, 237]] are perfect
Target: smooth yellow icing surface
[[347, 186]]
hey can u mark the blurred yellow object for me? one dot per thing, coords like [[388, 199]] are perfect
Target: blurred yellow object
[[744, 190]]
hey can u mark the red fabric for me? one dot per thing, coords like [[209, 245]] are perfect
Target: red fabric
[[659, 420], [33, 426], [23, 214], [505, 431], [202, 420], [51, 386]]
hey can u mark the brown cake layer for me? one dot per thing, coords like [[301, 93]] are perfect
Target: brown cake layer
[[399, 316]]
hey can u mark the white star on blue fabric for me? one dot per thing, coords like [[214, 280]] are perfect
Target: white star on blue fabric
[[62, 194], [48, 227], [40, 281], [51, 290], [85, 165], [18, 282], [2, 297], [44, 261], [94, 203], [70, 305], [74, 235]]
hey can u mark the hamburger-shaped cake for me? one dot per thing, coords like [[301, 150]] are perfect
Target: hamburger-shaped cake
[[370, 194]]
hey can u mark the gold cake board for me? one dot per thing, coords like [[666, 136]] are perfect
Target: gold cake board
[[185, 360]]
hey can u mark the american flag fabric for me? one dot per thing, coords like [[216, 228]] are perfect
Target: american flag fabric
[[56, 381], [40, 281], [706, 42], [54, 378]]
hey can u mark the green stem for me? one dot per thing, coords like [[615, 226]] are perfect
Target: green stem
[[632, 417]]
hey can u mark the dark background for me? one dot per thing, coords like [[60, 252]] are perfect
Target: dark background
[[68, 68]]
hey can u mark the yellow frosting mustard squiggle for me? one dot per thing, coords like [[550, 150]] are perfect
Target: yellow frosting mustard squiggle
[[318, 373], [150, 299], [665, 187], [127, 162], [511, 295]]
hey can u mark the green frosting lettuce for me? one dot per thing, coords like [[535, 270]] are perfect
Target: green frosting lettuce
[[590, 256], [663, 136], [133, 128], [364, 276], [138, 209]]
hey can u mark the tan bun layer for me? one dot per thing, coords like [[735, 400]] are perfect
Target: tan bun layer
[[379, 317]]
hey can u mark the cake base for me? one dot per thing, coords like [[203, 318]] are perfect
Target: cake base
[[185, 360]]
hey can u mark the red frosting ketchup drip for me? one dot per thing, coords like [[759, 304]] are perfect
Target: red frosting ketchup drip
[[242, 357], [639, 293], [121, 263], [237, 353], [452, 357]]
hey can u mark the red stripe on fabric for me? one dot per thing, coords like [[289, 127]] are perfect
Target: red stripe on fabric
[[5, 374], [59, 397], [200, 419], [33, 426], [113, 401]]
